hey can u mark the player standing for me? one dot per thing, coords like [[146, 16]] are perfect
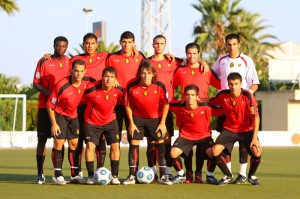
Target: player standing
[[147, 108], [62, 109], [192, 74], [100, 118], [236, 61], [241, 124], [47, 74]]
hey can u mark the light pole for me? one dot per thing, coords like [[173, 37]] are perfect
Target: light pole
[[86, 11]]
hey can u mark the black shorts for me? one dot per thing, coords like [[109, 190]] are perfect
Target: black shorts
[[80, 113], [43, 124], [111, 131], [228, 138], [187, 145], [147, 127], [121, 115], [69, 127]]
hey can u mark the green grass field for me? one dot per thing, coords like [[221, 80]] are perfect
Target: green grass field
[[279, 174]]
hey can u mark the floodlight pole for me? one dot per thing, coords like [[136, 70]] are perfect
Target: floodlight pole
[[86, 11]]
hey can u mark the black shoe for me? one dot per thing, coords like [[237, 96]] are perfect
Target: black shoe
[[226, 180], [240, 180], [254, 181], [211, 180]]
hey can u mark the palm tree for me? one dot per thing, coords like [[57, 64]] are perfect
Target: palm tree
[[9, 6], [101, 48], [221, 17]]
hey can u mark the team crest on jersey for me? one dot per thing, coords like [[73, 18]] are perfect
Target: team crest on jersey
[[79, 91], [234, 103], [90, 60], [158, 134], [159, 66], [192, 114], [127, 61], [107, 97], [239, 65], [231, 64], [53, 100], [37, 75], [60, 65], [193, 72], [145, 93]]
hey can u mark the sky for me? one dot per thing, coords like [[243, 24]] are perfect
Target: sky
[[28, 34]]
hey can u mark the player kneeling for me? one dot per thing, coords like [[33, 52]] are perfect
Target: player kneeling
[[193, 121]]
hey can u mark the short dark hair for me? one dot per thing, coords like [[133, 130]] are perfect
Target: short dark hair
[[127, 35], [159, 37], [60, 38], [234, 76], [191, 87], [110, 69], [192, 45], [89, 36], [145, 64], [78, 62], [232, 36]]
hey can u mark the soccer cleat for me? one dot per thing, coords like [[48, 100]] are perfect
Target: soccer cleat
[[189, 177], [77, 180], [90, 181], [40, 179], [129, 180], [240, 179], [212, 180], [60, 180], [179, 179], [171, 177], [165, 180], [198, 179], [254, 181], [81, 174], [115, 180], [226, 180]]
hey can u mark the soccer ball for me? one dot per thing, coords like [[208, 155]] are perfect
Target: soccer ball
[[102, 176], [145, 175]]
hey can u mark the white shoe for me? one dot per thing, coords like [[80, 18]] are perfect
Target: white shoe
[[77, 180], [40, 179], [90, 181], [115, 180], [81, 174], [60, 180], [129, 180]]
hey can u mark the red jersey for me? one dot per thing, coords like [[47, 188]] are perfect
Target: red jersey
[[146, 102], [239, 110], [194, 124], [165, 70], [127, 67], [48, 73], [186, 75], [101, 104], [65, 98], [94, 65]]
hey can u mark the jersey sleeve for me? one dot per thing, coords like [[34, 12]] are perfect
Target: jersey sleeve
[[251, 76], [53, 98], [38, 72]]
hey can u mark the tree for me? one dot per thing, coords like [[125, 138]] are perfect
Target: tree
[[101, 48], [221, 17], [9, 85], [9, 6]]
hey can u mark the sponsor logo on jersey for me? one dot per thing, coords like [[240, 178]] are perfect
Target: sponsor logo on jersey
[[53, 100], [37, 75]]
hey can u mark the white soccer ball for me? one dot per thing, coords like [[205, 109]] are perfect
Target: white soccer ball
[[145, 175], [102, 176]]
